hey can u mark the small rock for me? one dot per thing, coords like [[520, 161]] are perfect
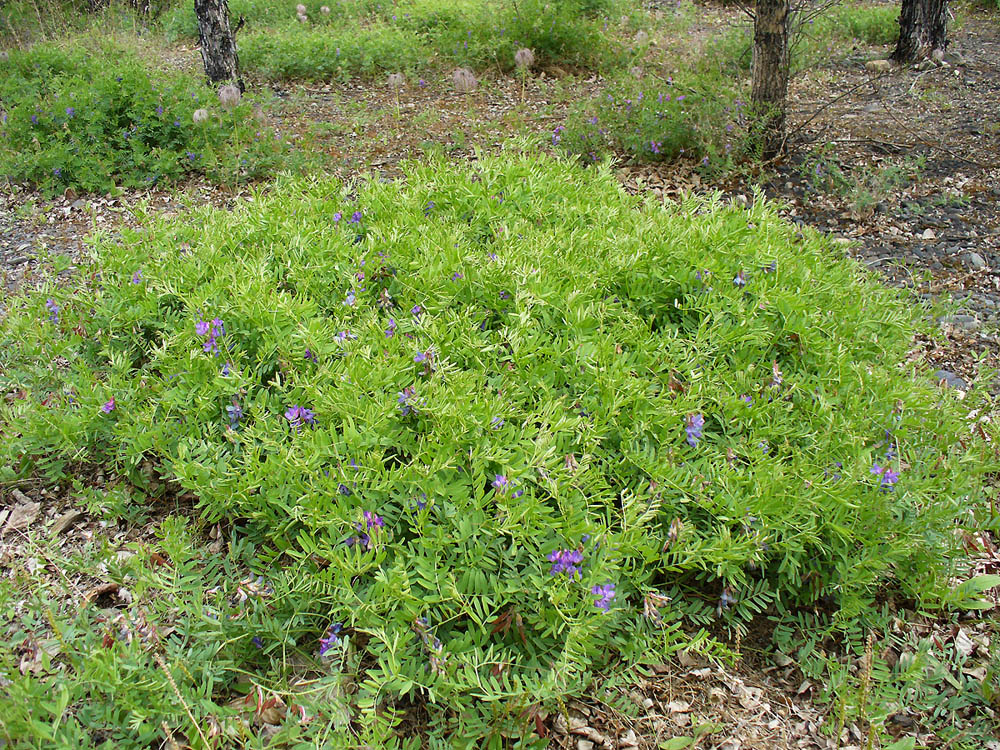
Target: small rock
[[966, 322], [928, 234], [79, 204], [878, 66], [584, 745], [65, 521], [976, 261], [21, 516], [628, 740]]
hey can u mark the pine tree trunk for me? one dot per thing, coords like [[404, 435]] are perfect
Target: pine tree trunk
[[923, 28], [218, 46], [770, 74]]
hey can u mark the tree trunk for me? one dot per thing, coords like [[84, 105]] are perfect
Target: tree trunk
[[218, 45], [770, 74], [923, 28]]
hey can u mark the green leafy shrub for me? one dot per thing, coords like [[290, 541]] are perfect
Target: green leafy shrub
[[93, 120], [493, 418], [322, 53], [871, 24], [653, 120]]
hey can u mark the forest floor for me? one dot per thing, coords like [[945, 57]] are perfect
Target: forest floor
[[903, 167]]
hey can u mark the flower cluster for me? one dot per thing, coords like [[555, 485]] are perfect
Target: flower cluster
[[565, 561], [435, 649], [331, 639], [212, 331], [694, 425], [53, 308], [888, 477], [604, 595], [299, 415], [235, 413], [406, 398], [370, 524]]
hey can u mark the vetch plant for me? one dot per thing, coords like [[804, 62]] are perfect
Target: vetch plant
[[624, 498]]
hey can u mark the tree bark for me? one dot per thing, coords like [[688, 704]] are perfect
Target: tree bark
[[923, 28], [770, 74], [218, 45]]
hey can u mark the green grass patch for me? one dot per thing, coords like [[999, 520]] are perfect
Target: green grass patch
[[99, 118], [503, 427]]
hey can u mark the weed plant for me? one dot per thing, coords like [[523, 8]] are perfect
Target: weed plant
[[650, 119], [491, 430], [97, 119]]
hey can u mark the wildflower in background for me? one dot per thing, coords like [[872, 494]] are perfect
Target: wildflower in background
[[137, 277], [565, 561], [456, 276], [235, 413], [726, 600], [53, 308], [199, 116], [464, 80], [70, 112], [694, 424], [350, 300], [420, 502], [390, 331], [229, 95], [337, 217], [524, 59], [641, 37], [604, 595], [496, 423], [159, 109], [406, 397], [109, 405], [776, 378], [299, 415], [556, 135], [416, 310], [57, 172], [636, 72], [257, 642], [747, 399], [356, 217], [500, 483], [740, 279], [310, 356], [325, 10], [202, 327], [888, 477], [397, 81], [372, 520], [331, 638], [343, 336]]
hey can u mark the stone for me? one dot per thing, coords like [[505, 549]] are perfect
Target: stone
[[975, 261], [951, 380], [878, 66], [967, 322], [928, 234]]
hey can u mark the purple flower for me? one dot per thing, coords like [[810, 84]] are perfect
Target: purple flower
[[330, 639], [350, 300], [202, 327], [356, 217], [747, 399], [337, 217], [159, 109], [565, 561], [108, 406], [421, 356], [57, 172], [556, 137], [343, 336], [888, 476], [137, 277], [501, 483], [310, 356], [693, 427], [406, 396], [496, 423], [740, 279], [53, 308], [299, 415], [604, 595], [372, 520], [456, 276], [34, 119], [235, 413], [416, 310], [256, 641], [70, 111], [391, 330]]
